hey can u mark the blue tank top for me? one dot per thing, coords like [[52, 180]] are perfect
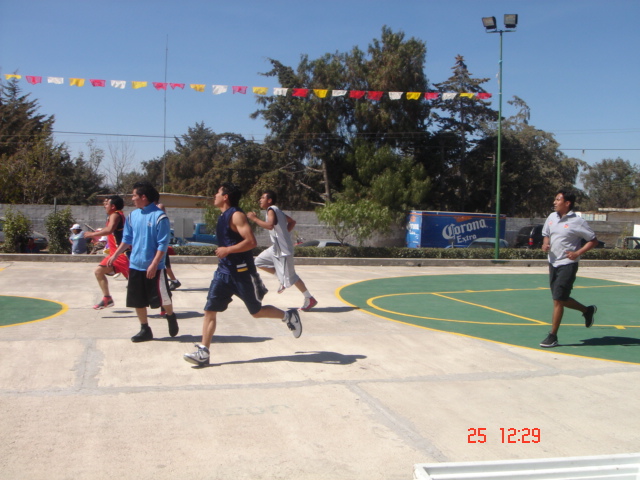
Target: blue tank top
[[235, 262]]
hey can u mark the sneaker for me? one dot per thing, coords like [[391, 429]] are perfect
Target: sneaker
[[309, 303], [292, 319], [550, 341], [173, 324], [589, 314], [261, 290], [281, 288], [144, 335], [199, 357], [106, 302], [173, 284]]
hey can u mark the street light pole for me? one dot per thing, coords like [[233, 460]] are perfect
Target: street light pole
[[510, 22]]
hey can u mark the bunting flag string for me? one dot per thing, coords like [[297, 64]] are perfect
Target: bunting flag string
[[374, 95]]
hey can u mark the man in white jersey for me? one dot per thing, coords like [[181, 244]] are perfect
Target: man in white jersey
[[278, 258]]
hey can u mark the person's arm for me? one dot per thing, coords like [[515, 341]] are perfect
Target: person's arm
[[546, 245], [121, 248], [269, 224], [112, 225], [240, 224], [291, 223], [164, 234], [585, 248]]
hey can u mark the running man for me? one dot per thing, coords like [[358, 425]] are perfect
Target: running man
[[113, 205], [236, 274], [278, 258], [563, 234]]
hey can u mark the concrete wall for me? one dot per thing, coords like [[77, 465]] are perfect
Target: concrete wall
[[307, 228]]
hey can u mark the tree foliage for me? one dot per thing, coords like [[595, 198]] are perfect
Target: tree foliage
[[358, 220], [612, 183], [57, 225]]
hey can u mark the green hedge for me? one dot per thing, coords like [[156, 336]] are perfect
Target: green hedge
[[400, 252]]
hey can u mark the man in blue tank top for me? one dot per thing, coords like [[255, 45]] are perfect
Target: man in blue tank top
[[236, 274]]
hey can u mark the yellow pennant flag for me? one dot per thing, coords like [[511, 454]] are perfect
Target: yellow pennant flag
[[197, 87], [260, 90], [76, 82], [468, 95], [413, 95], [135, 85], [12, 75], [320, 93]]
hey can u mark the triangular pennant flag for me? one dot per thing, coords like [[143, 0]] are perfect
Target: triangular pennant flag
[[218, 89], [55, 80], [467, 95], [33, 80], [176, 85], [413, 95], [97, 83], [299, 92], [260, 90], [338, 93], [238, 89], [356, 93], [160, 85], [76, 82], [374, 95], [121, 84], [281, 92], [9, 76], [320, 93], [448, 96], [484, 96], [136, 85], [395, 95], [197, 87], [431, 95]]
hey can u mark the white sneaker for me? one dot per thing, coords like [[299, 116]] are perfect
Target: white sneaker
[[199, 357], [308, 304], [292, 319]]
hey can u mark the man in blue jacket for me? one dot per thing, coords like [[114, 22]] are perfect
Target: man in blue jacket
[[147, 231]]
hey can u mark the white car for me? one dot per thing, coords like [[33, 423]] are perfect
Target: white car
[[322, 243]]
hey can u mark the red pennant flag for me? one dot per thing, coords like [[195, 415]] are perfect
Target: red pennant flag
[[237, 89], [484, 96], [160, 86], [97, 83], [299, 92], [33, 80], [356, 93], [176, 85], [431, 95], [374, 95]]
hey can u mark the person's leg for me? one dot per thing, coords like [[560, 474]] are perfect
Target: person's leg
[[208, 327], [101, 273]]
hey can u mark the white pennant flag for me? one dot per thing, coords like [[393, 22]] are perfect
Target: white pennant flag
[[395, 95], [218, 89], [281, 92], [448, 96], [338, 93], [118, 83], [56, 80]]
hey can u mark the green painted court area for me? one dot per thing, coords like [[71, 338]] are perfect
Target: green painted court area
[[16, 310], [512, 309]]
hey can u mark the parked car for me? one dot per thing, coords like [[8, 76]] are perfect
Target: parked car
[[323, 243], [529, 237], [40, 240], [486, 242], [628, 243]]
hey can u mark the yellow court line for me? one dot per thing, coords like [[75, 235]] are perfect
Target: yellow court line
[[64, 308]]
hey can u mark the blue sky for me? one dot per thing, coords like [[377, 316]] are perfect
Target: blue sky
[[573, 61]]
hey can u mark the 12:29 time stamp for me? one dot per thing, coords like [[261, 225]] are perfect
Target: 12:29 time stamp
[[507, 435]]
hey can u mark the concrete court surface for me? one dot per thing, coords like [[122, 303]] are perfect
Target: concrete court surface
[[356, 397]]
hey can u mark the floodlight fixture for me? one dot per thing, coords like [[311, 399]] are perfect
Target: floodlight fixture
[[489, 23], [510, 20]]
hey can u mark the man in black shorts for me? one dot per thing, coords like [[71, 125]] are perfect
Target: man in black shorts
[[563, 234], [236, 274]]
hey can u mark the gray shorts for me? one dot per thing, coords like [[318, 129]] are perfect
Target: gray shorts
[[561, 280], [283, 265]]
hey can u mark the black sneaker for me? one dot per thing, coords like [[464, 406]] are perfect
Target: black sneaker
[[292, 319], [550, 341], [589, 314], [173, 284], [173, 324], [144, 335], [261, 290]]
